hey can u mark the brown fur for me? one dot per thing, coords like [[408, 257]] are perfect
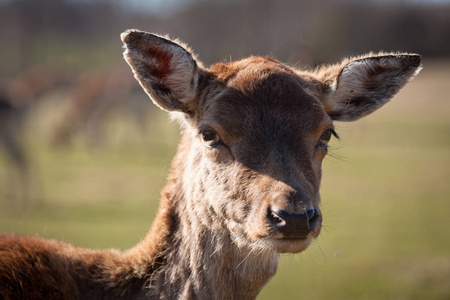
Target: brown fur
[[243, 187]]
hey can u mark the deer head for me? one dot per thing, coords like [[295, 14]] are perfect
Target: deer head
[[256, 132]]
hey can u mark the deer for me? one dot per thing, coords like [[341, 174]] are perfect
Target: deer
[[94, 95], [17, 96], [243, 187]]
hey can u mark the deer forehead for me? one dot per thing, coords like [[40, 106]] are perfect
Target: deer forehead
[[263, 99]]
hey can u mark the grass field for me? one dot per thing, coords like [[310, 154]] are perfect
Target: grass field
[[385, 191]]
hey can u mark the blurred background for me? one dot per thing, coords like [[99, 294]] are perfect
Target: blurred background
[[84, 153]]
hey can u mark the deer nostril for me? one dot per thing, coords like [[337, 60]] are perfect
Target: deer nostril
[[310, 213], [275, 217], [313, 218]]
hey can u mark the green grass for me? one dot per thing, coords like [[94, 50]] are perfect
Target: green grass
[[385, 195]]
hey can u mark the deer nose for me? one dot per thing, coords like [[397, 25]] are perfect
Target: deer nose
[[292, 225]]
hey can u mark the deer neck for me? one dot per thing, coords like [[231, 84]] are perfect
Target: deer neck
[[206, 265], [192, 258]]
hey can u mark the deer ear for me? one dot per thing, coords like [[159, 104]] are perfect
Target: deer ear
[[167, 71], [358, 87]]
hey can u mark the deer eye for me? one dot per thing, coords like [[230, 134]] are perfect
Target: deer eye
[[211, 138], [325, 138]]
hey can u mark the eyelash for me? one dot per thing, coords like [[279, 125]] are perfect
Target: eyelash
[[325, 138]]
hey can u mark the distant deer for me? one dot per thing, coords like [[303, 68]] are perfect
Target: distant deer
[[93, 96], [17, 96], [243, 187]]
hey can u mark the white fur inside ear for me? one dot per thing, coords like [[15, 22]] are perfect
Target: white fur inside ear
[[182, 77], [365, 84], [166, 69], [352, 79]]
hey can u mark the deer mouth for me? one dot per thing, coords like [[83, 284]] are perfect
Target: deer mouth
[[289, 245]]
